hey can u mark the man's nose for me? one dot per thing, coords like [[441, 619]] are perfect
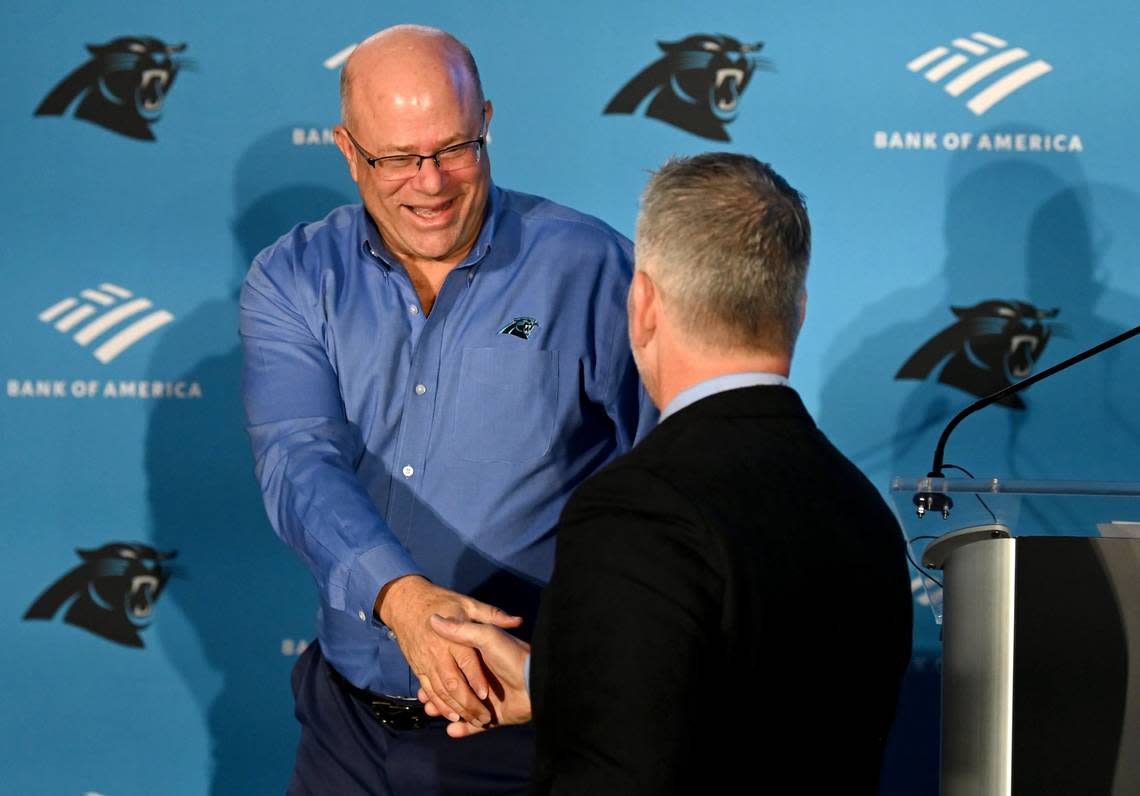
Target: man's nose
[[430, 178]]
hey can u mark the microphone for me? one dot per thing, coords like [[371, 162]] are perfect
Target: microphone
[[940, 501]]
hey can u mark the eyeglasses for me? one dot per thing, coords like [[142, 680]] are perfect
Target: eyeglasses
[[403, 167]]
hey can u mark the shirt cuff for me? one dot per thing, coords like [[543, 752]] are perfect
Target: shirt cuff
[[371, 571], [526, 673]]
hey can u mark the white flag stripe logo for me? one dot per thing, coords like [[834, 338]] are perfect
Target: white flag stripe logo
[[993, 41], [109, 301], [1007, 85], [946, 67], [118, 291], [100, 325], [984, 69], [74, 317], [334, 61], [131, 335], [97, 297], [971, 46], [941, 61], [57, 309], [926, 58]]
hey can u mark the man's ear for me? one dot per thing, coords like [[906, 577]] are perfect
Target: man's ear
[[488, 112], [644, 305], [340, 136]]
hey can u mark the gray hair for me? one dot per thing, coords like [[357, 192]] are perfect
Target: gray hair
[[727, 241], [458, 47]]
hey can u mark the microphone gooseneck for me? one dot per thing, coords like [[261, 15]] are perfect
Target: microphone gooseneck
[[940, 501]]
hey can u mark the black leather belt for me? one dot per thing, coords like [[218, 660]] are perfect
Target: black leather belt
[[398, 713]]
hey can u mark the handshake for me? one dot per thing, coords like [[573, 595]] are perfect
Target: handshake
[[471, 672], [504, 660]]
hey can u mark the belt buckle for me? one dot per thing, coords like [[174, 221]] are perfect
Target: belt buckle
[[398, 717]]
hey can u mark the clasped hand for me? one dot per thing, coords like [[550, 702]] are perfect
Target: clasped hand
[[453, 680], [503, 658]]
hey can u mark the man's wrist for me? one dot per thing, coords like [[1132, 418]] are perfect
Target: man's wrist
[[390, 596]]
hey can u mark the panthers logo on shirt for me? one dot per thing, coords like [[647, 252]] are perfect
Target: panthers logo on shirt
[[520, 327], [111, 594], [993, 345], [122, 88], [695, 86]]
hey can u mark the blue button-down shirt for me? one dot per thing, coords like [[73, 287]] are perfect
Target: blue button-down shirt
[[390, 443]]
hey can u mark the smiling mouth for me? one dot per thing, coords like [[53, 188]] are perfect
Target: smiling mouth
[[430, 212]]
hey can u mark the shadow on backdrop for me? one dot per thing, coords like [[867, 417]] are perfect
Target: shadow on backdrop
[[243, 592], [1019, 228]]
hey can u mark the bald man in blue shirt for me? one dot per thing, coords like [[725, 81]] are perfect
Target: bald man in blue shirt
[[428, 376]]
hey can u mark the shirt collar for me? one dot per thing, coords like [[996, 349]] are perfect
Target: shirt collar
[[729, 381], [373, 243]]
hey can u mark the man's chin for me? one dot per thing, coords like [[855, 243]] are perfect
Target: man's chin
[[441, 246]]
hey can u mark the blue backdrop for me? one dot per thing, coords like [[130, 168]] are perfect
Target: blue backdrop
[[972, 155]]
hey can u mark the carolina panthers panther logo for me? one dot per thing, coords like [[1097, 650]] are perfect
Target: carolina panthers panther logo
[[520, 327], [993, 344], [696, 85], [122, 88], [112, 593]]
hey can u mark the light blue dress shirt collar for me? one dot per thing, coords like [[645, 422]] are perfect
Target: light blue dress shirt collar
[[730, 381]]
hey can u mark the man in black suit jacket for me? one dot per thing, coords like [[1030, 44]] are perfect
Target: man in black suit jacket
[[730, 608]]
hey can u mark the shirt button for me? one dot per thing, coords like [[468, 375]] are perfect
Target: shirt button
[[420, 389], [391, 635], [407, 471], [412, 308], [363, 616]]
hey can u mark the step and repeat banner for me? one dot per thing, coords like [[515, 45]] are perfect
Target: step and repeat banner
[[970, 172]]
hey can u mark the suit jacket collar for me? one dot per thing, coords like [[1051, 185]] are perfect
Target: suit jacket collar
[[764, 401]]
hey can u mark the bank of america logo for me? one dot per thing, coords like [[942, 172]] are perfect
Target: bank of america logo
[[110, 315], [988, 80], [337, 59]]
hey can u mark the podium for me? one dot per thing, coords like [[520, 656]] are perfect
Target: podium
[[1039, 604]]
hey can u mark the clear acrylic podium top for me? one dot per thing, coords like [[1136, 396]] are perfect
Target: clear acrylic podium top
[[1007, 507]]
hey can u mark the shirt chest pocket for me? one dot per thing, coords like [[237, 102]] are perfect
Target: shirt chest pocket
[[506, 404]]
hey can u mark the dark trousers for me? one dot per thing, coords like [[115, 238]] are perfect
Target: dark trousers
[[345, 751]]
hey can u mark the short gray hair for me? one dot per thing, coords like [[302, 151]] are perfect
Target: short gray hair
[[728, 241]]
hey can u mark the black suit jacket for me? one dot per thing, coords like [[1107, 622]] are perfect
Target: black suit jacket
[[730, 604]]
